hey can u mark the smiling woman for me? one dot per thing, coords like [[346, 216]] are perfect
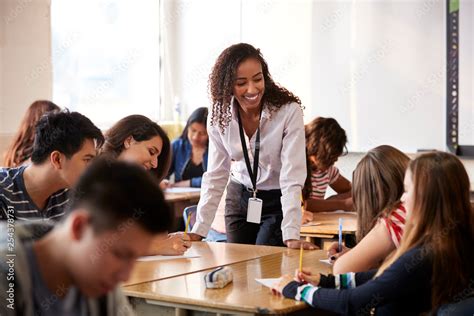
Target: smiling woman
[[138, 139], [256, 135]]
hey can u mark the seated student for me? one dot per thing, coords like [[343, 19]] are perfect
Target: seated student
[[65, 142], [376, 190], [21, 147], [433, 263], [139, 140], [325, 143], [190, 152], [74, 267]]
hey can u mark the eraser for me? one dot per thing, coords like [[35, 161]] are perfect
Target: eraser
[[218, 278]]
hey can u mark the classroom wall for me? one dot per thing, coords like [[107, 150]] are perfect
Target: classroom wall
[[25, 60]]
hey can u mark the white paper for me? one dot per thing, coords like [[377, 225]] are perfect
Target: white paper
[[311, 224], [338, 212], [270, 283], [182, 190], [164, 258], [327, 261]]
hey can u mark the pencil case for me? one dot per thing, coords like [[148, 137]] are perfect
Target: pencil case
[[218, 278]]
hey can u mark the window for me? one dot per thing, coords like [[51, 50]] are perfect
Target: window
[[106, 58]]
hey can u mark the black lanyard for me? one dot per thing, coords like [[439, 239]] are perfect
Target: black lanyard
[[253, 175]]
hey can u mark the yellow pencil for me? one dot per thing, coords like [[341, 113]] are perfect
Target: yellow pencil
[[186, 228], [301, 258]]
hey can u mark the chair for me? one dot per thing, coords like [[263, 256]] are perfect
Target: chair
[[213, 235], [190, 211]]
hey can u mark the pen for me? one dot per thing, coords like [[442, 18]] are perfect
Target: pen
[[187, 224], [301, 257], [340, 235]]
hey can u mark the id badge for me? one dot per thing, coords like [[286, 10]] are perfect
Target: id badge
[[254, 210]]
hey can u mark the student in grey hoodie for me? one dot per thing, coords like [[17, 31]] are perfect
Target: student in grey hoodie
[[74, 268]]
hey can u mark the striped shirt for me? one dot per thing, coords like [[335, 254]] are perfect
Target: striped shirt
[[320, 180], [15, 203], [395, 224]]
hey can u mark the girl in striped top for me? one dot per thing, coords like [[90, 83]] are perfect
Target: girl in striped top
[[325, 143], [377, 189]]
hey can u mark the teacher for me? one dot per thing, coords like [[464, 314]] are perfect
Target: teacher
[[256, 135]]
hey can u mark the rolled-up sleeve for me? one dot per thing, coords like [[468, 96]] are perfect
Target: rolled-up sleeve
[[213, 182], [293, 173]]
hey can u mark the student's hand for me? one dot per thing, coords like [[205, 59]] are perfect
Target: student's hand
[[296, 244], [190, 236], [348, 205], [333, 253], [174, 245], [278, 287], [306, 217], [184, 183], [307, 276], [165, 184]]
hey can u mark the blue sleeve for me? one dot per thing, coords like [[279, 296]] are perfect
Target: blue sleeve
[[174, 148], [411, 271], [196, 182]]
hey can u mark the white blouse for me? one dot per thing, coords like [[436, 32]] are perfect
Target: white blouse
[[282, 165]]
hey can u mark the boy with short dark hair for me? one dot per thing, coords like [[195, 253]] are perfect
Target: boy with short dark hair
[[117, 209], [65, 142]]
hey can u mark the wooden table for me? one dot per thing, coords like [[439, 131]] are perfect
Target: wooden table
[[211, 254], [187, 294], [173, 197], [327, 227]]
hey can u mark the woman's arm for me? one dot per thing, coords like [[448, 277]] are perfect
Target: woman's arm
[[368, 253], [292, 177], [408, 277], [213, 183], [319, 205], [341, 201]]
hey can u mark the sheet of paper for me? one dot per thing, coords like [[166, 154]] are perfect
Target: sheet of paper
[[182, 190], [268, 282], [327, 261], [164, 258], [338, 212], [311, 224]]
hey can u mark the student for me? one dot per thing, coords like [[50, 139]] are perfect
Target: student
[[189, 160], [325, 143], [139, 140], [376, 190], [75, 267], [433, 263], [65, 142], [252, 117], [19, 151]]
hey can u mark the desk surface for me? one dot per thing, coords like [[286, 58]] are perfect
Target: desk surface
[[243, 295], [329, 224], [182, 196], [211, 255]]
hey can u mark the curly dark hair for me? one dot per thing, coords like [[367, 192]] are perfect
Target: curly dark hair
[[326, 140], [141, 128], [222, 80]]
